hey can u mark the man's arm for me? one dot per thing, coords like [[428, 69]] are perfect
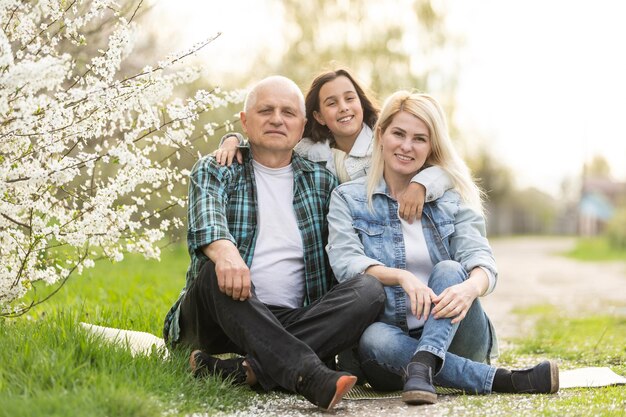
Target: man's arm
[[233, 275], [208, 231]]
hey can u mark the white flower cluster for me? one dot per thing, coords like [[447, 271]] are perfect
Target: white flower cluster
[[81, 150]]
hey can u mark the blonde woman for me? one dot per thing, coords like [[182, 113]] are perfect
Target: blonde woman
[[433, 271]]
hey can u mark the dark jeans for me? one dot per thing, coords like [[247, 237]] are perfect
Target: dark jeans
[[281, 345]]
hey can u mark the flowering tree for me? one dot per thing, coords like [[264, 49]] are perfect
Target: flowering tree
[[82, 149]]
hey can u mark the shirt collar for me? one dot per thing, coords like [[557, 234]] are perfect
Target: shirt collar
[[363, 142]]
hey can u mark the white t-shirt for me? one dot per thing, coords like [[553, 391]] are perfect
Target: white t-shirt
[[418, 262], [277, 269]]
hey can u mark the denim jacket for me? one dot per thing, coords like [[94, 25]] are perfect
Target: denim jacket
[[360, 238]]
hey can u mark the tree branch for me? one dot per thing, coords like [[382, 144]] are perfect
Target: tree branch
[[24, 225]]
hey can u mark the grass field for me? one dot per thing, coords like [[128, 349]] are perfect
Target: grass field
[[596, 249], [50, 367]]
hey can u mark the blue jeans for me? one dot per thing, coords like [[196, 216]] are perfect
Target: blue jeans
[[385, 350]]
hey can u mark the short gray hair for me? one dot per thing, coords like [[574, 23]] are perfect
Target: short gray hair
[[273, 79]]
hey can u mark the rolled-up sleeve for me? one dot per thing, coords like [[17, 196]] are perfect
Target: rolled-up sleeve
[[435, 180], [470, 246], [345, 250], [206, 212]]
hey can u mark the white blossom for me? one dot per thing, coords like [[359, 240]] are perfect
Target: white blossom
[[81, 148]]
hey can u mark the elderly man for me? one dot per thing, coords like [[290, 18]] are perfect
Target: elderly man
[[259, 283]]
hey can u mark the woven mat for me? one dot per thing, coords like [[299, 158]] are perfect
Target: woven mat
[[146, 343], [365, 392]]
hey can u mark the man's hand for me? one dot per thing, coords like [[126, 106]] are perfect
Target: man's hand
[[233, 275], [412, 202]]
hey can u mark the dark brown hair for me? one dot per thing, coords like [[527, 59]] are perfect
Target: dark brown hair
[[315, 131]]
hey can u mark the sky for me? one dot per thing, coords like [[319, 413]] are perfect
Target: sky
[[541, 82]]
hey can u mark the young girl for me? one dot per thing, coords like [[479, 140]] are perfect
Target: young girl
[[338, 134]]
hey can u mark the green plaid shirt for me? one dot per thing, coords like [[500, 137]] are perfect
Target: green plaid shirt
[[222, 205]]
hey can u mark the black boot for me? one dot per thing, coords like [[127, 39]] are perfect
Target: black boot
[[418, 385], [325, 388], [203, 365], [540, 379]]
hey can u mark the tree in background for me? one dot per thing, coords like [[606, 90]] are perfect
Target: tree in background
[[392, 46], [599, 167], [388, 45], [496, 180], [83, 148]]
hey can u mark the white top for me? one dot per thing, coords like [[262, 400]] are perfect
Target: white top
[[277, 269], [357, 161], [418, 263]]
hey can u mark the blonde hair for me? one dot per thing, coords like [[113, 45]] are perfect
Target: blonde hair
[[443, 153]]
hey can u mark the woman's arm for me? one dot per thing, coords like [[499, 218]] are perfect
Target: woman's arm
[[421, 295], [345, 250], [347, 257], [455, 301], [469, 247]]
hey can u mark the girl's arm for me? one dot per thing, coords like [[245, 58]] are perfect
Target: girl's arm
[[428, 185], [228, 149]]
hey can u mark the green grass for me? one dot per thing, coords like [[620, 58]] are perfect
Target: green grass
[[596, 249], [583, 341], [50, 367], [133, 294], [574, 343]]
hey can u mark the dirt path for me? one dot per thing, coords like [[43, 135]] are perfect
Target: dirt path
[[531, 272]]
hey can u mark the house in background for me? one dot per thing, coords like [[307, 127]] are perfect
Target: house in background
[[599, 199]]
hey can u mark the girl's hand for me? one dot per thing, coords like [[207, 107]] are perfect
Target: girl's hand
[[411, 202], [225, 154]]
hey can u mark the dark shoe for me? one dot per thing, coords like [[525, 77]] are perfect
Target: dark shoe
[[203, 365], [418, 385], [325, 388], [541, 379]]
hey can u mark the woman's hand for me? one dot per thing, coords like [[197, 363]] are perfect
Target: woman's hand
[[421, 295], [411, 202], [455, 301], [225, 154]]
